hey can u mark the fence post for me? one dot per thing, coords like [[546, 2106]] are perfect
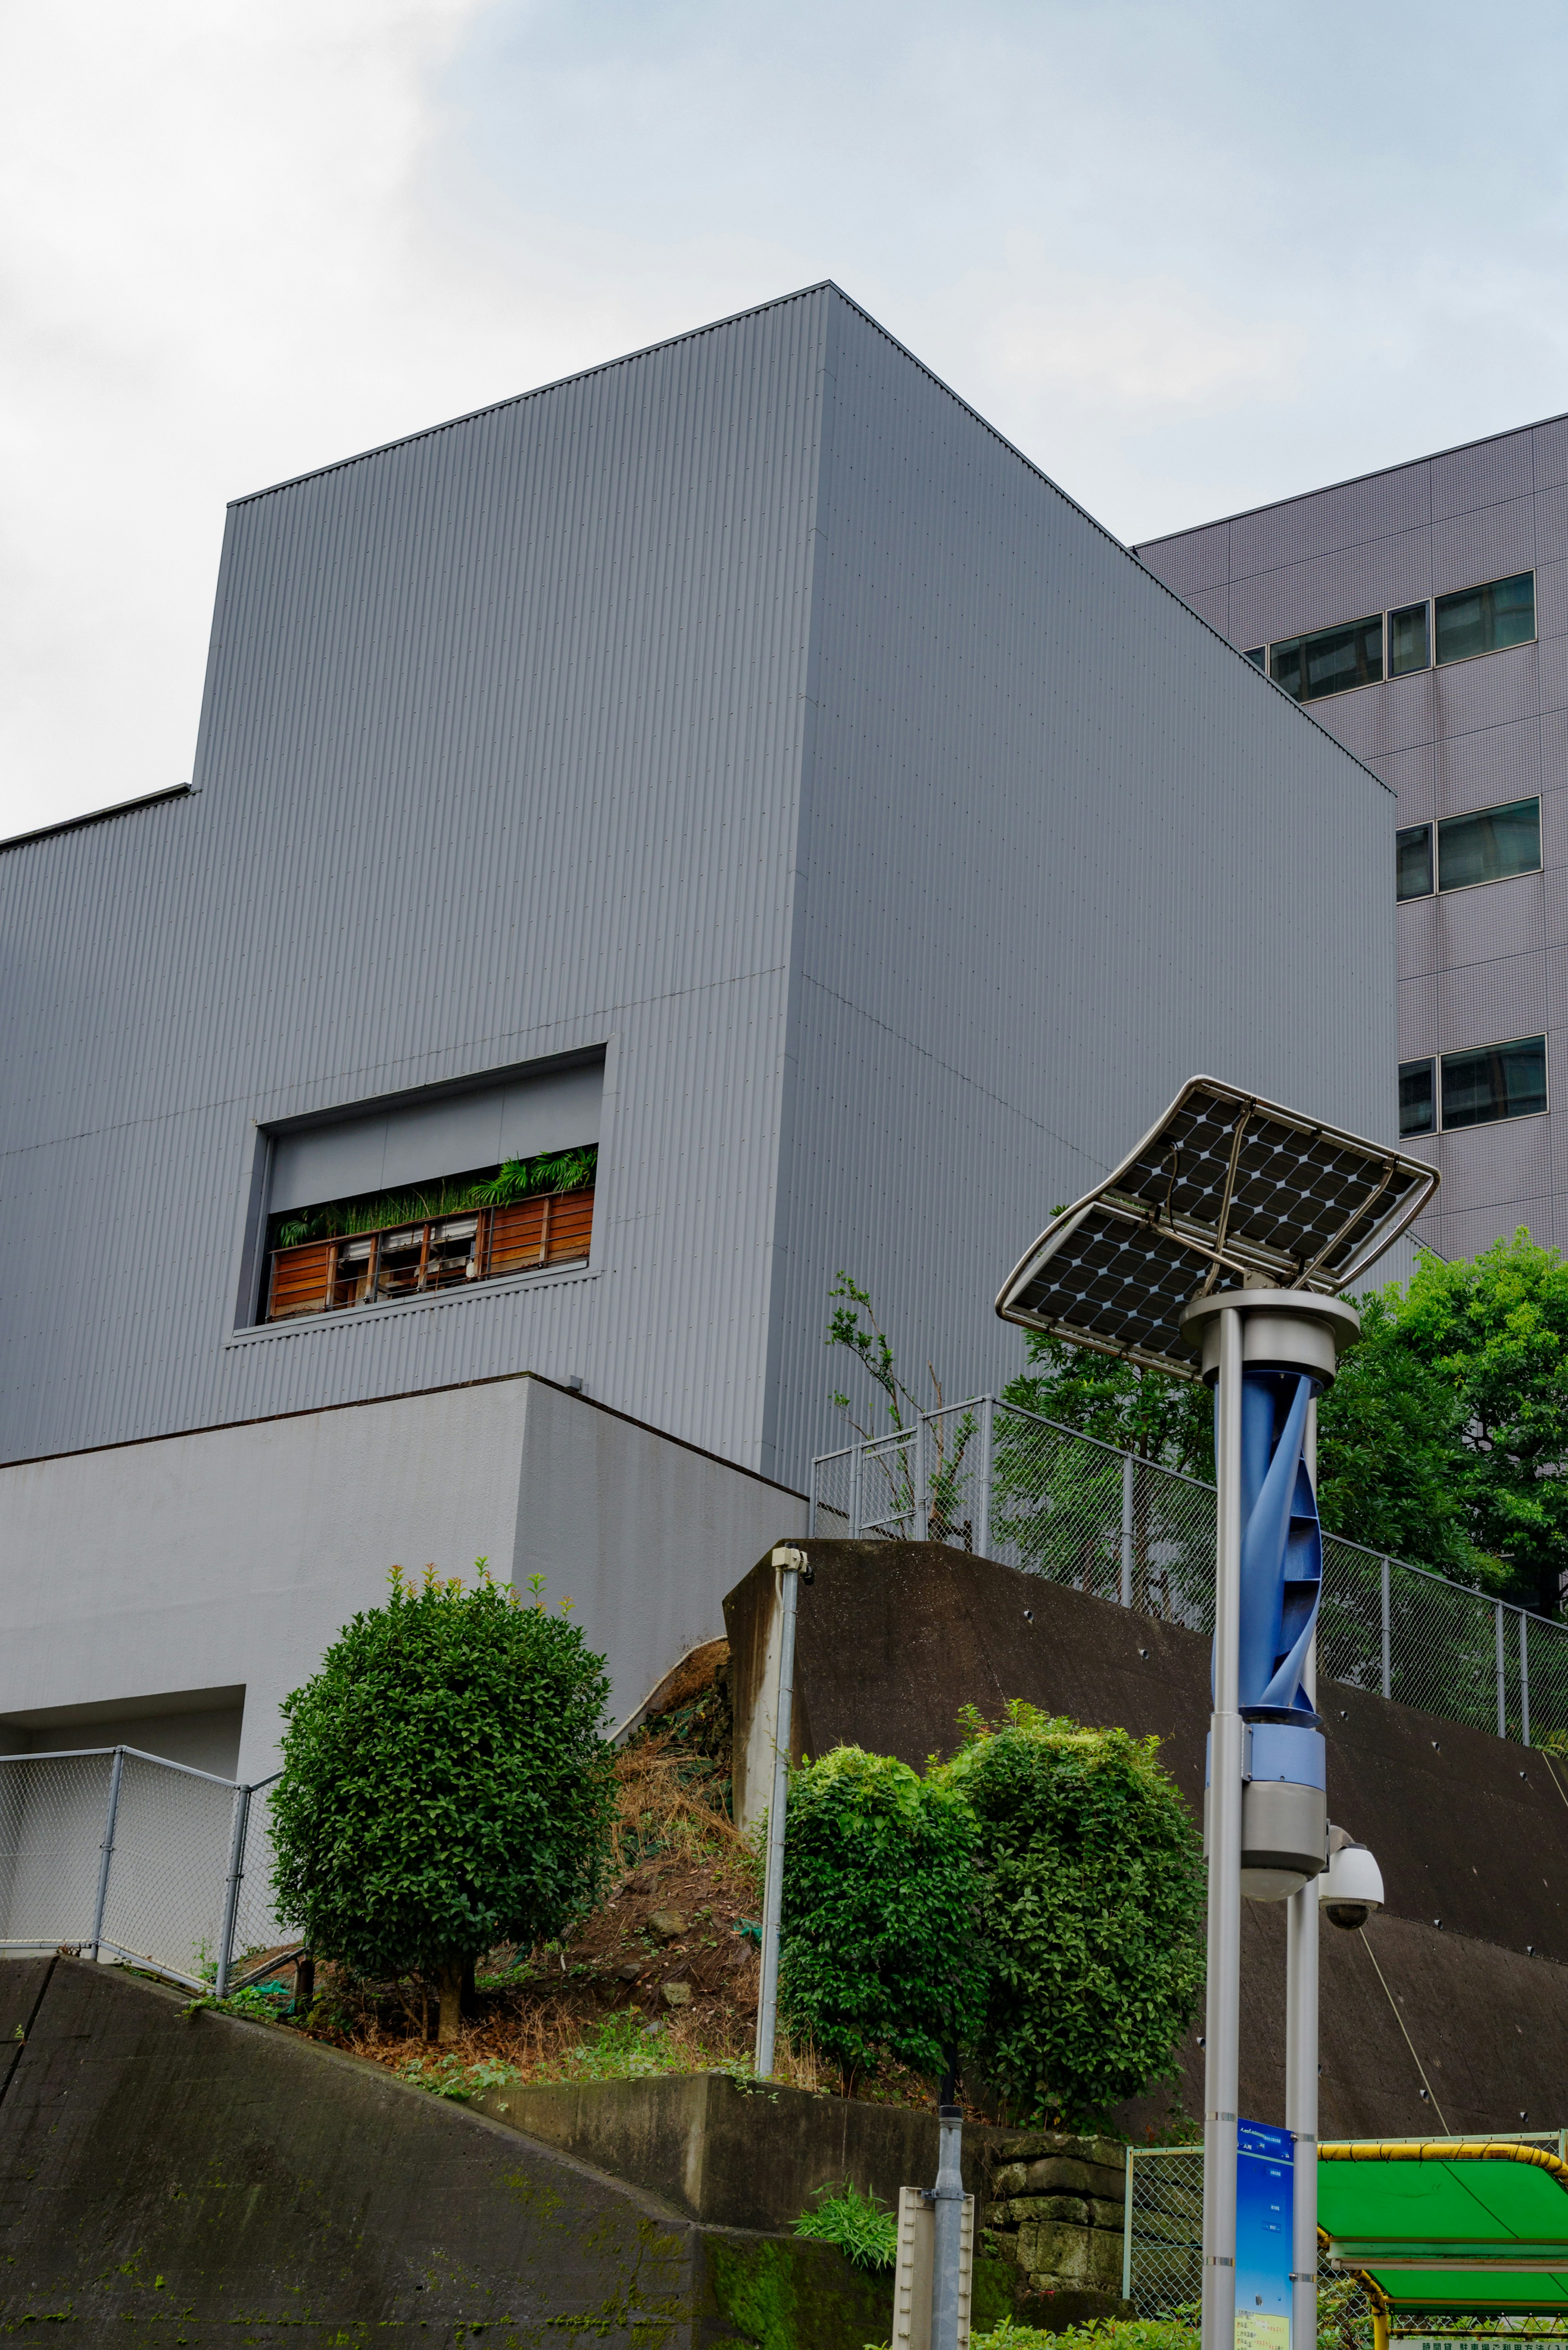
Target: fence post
[[987, 1449], [1127, 2226], [1127, 1592], [856, 1461], [231, 1893], [106, 1847], [926, 1440], [1388, 1637], [1523, 1678], [1501, 1691]]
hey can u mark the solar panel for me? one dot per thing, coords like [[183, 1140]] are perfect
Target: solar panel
[[1227, 1183]]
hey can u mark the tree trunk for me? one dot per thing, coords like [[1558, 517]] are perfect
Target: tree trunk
[[450, 2029]]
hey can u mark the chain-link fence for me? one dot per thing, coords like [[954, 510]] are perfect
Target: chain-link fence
[[123, 1855], [986, 1477], [1162, 2250]]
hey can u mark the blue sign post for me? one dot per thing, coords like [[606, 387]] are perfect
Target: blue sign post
[[1265, 2198]]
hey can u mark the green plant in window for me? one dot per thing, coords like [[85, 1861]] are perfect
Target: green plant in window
[[551, 1172]]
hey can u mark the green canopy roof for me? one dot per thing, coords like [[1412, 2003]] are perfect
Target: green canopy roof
[[1450, 2223]]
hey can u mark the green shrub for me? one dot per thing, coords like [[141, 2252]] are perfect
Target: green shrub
[[877, 1952], [1092, 1910], [446, 1783], [1106, 2334], [865, 2230]]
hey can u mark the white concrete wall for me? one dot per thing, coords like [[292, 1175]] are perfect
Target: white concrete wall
[[197, 1562]]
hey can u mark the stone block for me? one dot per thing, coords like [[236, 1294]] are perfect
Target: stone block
[[1018, 2207]]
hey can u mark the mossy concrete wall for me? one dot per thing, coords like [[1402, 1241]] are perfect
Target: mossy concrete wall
[[206, 2182]]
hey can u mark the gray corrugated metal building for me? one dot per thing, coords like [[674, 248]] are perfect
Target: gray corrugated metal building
[[1421, 613], [739, 754]]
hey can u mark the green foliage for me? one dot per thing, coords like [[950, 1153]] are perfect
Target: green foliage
[[877, 1952], [1161, 1418], [1444, 1438], [371, 1211], [950, 1439], [1104, 2334], [446, 1783], [452, 2076], [865, 2230], [1092, 1910]]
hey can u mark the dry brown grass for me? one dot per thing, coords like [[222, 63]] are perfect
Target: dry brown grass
[[548, 2015]]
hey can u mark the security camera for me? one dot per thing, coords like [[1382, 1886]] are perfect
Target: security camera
[[1350, 1886]]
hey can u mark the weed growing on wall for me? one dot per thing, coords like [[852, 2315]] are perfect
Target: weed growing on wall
[[877, 1951], [865, 2230], [1091, 1906], [446, 1785]]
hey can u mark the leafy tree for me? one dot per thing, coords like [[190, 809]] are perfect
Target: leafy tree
[[1092, 1909], [878, 1954], [1445, 1437], [1150, 1413], [446, 1783]]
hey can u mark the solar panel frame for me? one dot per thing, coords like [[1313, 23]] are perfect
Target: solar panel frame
[[1226, 1181]]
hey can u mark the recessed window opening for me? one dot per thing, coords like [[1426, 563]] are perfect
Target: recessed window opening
[[1479, 1087], [1330, 661], [1485, 620], [1489, 844], [1488, 618], [522, 1216], [1413, 861]]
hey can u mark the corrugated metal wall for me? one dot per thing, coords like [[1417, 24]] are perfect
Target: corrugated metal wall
[[748, 707], [499, 758], [1061, 849]]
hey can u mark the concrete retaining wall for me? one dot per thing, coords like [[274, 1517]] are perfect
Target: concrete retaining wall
[[1469, 1830]]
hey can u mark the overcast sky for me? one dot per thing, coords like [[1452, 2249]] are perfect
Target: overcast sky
[[1192, 256]]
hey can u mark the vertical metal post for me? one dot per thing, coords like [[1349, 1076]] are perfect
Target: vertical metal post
[[926, 1439], [1387, 1636], [232, 1892], [1126, 1590], [947, 2251], [987, 1455], [106, 1849], [789, 1563], [1300, 2048], [1127, 2224], [856, 1467], [1502, 1684], [1223, 2000], [1524, 1679]]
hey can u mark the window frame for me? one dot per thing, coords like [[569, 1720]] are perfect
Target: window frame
[[1415, 897], [1265, 667], [1459, 659], [1330, 628], [1434, 1062], [1463, 815]]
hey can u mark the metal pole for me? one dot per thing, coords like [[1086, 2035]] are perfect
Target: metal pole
[[232, 1892], [856, 1463], [947, 2251], [1224, 2002], [987, 1449], [926, 1440], [1127, 1594], [1523, 1678], [1501, 1687], [1127, 2224], [1388, 1637], [789, 1563], [106, 1849], [1300, 2048]]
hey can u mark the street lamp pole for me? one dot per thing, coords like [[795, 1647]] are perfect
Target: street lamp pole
[[1222, 2014], [1231, 1232]]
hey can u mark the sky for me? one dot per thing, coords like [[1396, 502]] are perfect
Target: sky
[[1191, 256]]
